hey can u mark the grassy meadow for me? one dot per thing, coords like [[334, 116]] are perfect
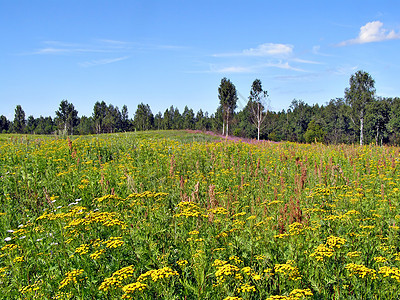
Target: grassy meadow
[[177, 215]]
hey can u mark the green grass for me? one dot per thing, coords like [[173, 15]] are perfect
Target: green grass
[[174, 215]]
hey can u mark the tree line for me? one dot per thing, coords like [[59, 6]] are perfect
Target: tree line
[[359, 117]]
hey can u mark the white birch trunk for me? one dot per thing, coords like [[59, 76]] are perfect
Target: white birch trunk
[[361, 130], [227, 124]]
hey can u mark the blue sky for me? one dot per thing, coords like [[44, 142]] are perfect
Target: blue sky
[[165, 53]]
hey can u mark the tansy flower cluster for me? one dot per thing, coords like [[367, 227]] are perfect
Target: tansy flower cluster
[[116, 278], [189, 209], [360, 271], [296, 294], [393, 272], [288, 269], [225, 271], [158, 274], [327, 249], [70, 277]]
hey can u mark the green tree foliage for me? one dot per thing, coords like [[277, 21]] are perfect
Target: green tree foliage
[[314, 132], [172, 119], [257, 105], [246, 127], [66, 117], [394, 120], [377, 120], [199, 120], [144, 118], [176, 118], [109, 119], [31, 125], [228, 100], [19, 122], [99, 113], [299, 115], [44, 125], [202, 121], [333, 123], [188, 118], [86, 126], [125, 126], [158, 121], [166, 122], [360, 93], [336, 121], [112, 119], [217, 120], [4, 124]]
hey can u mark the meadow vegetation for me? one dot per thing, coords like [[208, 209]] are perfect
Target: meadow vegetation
[[177, 215]]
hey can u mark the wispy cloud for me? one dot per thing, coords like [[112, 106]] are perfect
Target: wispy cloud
[[53, 50], [231, 69], [100, 46], [114, 42], [267, 55], [316, 50], [254, 68], [343, 70], [282, 65], [91, 52], [303, 77], [372, 32], [169, 47], [305, 61], [267, 49], [104, 61]]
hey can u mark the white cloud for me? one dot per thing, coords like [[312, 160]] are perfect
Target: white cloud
[[343, 70], [316, 50], [51, 51], [304, 61], [254, 68], [372, 32], [101, 46], [302, 77], [283, 65], [113, 42], [232, 69], [55, 47], [267, 49], [102, 61]]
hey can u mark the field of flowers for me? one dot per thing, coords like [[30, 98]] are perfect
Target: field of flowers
[[173, 215]]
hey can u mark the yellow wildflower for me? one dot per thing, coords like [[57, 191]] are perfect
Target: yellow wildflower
[[390, 271], [246, 288], [116, 278], [131, 288], [182, 262], [380, 259], [289, 270], [18, 259], [97, 254], [360, 271], [70, 277]]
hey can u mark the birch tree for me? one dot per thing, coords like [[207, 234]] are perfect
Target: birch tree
[[228, 99], [360, 93], [67, 117], [257, 105]]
